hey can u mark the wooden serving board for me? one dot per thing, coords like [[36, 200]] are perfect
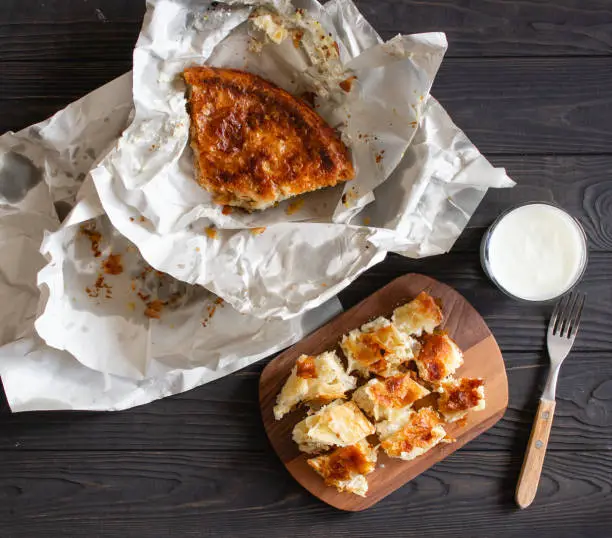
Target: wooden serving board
[[482, 359]]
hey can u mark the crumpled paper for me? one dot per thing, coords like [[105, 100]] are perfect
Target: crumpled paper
[[312, 247], [431, 195], [41, 169], [142, 323], [41, 173]]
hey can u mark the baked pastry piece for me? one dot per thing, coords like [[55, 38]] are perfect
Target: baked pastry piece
[[458, 396], [388, 398], [422, 314], [337, 424], [320, 378], [255, 144], [377, 348], [412, 436], [438, 358], [346, 467]]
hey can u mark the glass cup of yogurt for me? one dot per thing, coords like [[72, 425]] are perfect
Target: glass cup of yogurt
[[535, 252]]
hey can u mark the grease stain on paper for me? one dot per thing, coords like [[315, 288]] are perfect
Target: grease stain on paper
[[294, 206]]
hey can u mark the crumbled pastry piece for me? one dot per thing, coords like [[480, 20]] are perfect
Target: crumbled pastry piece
[[417, 433], [386, 428], [321, 378], [458, 396], [337, 424], [346, 467], [377, 348], [321, 51], [255, 144], [271, 24], [422, 314], [438, 358], [388, 398]]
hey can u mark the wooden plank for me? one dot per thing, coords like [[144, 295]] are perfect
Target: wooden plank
[[105, 12], [60, 30], [530, 105], [509, 106], [215, 493], [482, 359], [500, 28], [77, 40], [60, 81], [224, 415]]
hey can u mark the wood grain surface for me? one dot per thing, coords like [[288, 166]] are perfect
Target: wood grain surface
[[482, 357], [530, 83], [220, 493]]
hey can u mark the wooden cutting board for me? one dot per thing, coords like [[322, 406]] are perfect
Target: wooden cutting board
[[482, 359]]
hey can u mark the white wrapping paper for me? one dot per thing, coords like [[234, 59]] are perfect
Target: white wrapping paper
[[128, 320], [42, 166], [115, 364], [431, 195], [409, 198]]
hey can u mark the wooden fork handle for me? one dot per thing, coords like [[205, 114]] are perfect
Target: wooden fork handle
[[534, 456]]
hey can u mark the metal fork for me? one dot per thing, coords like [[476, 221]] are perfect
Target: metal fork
[[562, 330]]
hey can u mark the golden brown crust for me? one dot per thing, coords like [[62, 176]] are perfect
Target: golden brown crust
[[438, 358], [342, 464], [397, 391], [419, 434], [306, 368], [374, 349], [255, 144], [460, 395], [422, 314], [432, 354], [374, 352], [428, 308]]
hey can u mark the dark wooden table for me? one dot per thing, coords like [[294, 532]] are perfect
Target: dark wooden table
[[531, 83]]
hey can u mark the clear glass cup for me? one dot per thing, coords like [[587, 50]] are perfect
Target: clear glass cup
[[486, 264]]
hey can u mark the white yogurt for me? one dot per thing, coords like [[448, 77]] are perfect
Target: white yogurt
[[536, 252]]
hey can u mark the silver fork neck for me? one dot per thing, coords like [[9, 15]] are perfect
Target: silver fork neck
[[551, 382]]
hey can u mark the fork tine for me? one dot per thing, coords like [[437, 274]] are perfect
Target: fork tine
[[567, 315], [558, 314], [555, 315], [561, 315], [575, 322]]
